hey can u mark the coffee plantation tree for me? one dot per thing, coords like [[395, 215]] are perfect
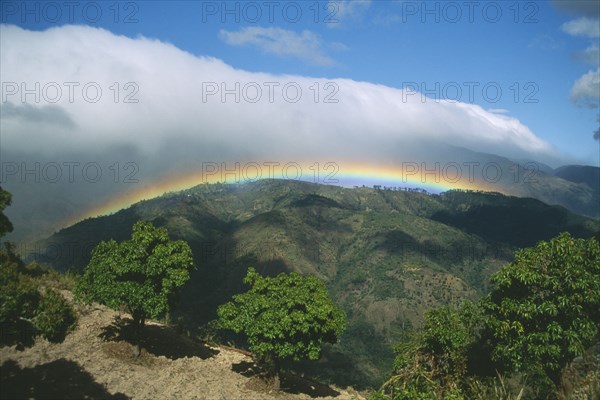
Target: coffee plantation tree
[[27, 309], [433, 363], [5, 224], [143, 274], [545, 308], [289, 316], [543, 311]]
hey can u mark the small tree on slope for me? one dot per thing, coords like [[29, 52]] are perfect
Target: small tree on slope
[[143, 274], [289, 316]]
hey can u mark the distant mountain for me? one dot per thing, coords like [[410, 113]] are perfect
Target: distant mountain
[[387, 256], [575, 187], [580, 174], [545, 168]]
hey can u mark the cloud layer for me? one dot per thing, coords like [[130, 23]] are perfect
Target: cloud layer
[[77, 94], [152, 93]]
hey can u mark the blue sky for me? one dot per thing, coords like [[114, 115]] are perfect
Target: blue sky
[[526, 50]]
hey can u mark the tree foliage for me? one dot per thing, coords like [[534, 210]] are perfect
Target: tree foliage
[[54, 316], [288, 316], [543, 312], [19, 300], [545, 308], [143, 274], [5, 224], [26, 311], [431, 364]]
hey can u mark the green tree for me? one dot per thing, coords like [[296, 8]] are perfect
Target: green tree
[[26, 309], [5, 224], [545, 308], [432, 364], [542, 313], [19, 299], [54, 316], [288, 316], [26, 312], [143, 274]]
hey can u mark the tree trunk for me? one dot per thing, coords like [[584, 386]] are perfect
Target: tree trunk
[[139, 319], [270, 376]]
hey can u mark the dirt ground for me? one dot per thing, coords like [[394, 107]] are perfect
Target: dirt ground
[[96, 362]]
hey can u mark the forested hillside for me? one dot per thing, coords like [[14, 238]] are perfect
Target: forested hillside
[[387, 256]]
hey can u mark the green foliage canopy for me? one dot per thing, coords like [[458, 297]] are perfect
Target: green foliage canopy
[[5, 224], [288, 316], [19, 300], [25, 310], [545, 309], [54, 316], [542, 313], [431, 364], [143, 273]]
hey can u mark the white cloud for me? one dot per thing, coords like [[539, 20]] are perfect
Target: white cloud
[[584, 26], [337, 46], [590, 55], [305, 46], [586, 89], [177, 124], [172, 106], [348, 9]]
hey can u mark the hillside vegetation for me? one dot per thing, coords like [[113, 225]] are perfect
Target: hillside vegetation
[[96, 362], [386, 256]]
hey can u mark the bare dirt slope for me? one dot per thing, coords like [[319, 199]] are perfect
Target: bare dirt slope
[[94, 362]]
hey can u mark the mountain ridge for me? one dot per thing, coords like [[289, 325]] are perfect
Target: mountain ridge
[[570, 186]]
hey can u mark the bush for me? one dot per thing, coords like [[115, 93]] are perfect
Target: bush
[[25, 312], [54, 317]]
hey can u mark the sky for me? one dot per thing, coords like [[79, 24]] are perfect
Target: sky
[[99, 99]]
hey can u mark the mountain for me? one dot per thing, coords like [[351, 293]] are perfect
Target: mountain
[[579, 174], [575, 187], [386, 255], [41, 204]]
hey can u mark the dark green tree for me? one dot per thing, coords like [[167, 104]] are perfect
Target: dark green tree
[[54, 316], [19, 300], [542, 313], [143, 274], [288, 316], [545, 308], [432, 364], [5, 224], [25, 309]]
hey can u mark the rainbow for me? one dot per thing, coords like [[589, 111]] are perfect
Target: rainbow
[[408, 175]]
